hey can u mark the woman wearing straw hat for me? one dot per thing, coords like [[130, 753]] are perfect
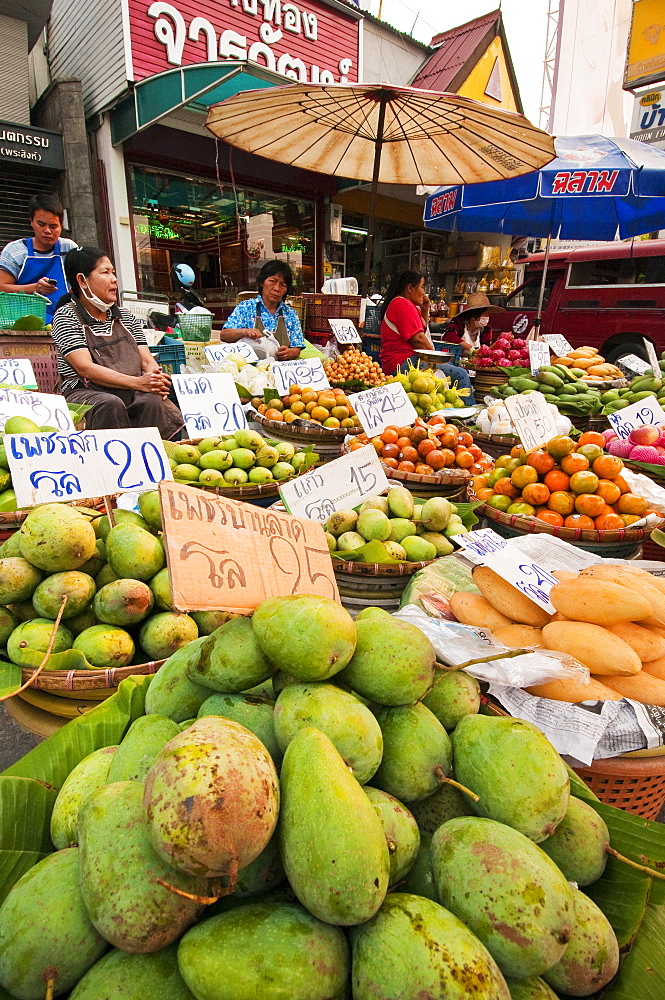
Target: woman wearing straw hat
[[470, 328]]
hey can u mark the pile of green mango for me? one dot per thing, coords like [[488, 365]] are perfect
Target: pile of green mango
[[385, 877], [559, 385], [640, 388]]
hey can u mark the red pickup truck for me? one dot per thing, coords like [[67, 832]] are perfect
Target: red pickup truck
[[608, 296]]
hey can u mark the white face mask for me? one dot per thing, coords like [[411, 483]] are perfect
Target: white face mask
[[96, 301], [484, 320]]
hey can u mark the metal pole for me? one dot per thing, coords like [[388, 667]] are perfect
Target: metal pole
[[536, 322], [378, 144]]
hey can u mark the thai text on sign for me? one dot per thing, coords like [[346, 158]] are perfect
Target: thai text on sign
[[381, 407], [308, 373], [210, 404], [18, 372], [338, 485], [533, 419], [46, 409], [218, 352]]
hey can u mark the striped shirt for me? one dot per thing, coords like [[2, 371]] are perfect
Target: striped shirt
[[68, 335], [14, 254], [243, 317]]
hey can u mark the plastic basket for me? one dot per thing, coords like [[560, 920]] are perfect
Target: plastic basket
[[15, 305], [634, 784], [321, 308], [196, 327], [40, 350], [170, 357]]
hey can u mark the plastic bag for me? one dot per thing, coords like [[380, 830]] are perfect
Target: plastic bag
[[266, 347]]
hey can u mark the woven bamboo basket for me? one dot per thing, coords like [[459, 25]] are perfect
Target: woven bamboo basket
[[487, 378], [65, 681], [494, 444]]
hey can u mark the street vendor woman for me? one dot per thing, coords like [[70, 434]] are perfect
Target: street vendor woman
[[471, 328], [36, 264], [405, 328], [266, 322], [103, 356]]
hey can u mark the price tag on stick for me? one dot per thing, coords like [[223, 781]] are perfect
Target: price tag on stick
[[227, 555], [49, 467], [218, 352], [338, 485], [345, 331], [381, 407], [653, 357], [539, 355], [210, 404], [46, 409], [558, 343], [533, 419], [646, 411], [308, 374], [18, 372]]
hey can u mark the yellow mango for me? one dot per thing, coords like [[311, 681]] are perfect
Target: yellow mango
[[474, 609], [644, 687], [648, 645], [597, 648], [507, 599], [515, 636], [636, 582], [573, 690], [656, 668], [600, 602]]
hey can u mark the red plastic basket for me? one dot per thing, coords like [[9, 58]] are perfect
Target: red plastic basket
[[40, 350], [321, 308]]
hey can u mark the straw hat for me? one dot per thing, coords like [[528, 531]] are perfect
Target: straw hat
[[479, 301]]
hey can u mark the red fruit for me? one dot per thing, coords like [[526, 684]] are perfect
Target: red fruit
[[518, 344], [502, 344], [484, 351], [514, 355]]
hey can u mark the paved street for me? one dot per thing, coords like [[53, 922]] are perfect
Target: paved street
[[14, 741]]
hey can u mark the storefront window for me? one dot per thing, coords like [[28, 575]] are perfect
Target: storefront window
[[225, 237]]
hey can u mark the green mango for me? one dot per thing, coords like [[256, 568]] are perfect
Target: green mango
[[393, 663], [11, 548], [45, 932], [519, 776], [150, 509], [506, 890], [533, 988], [89, 773], [419, 880], [591, 958], [119, 871], [415, 948], [577, 372], [549, 378], [231, 658], [521, 383], [263, 874], [578, 844], [57, 538], [122, 976], [120, 516], [140, 746], [307, 636], [453, 696], [636, 397], [134, 552], [401, 830], [348, 724], [270, 951], [417, 754], [446, 803], [171, 693], [332, 842], [254, 713]]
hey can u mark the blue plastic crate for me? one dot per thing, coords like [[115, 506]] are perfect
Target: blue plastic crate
[[169, 357]]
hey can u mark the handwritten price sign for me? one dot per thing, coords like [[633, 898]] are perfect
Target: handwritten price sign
[[635, 364], [539, 355], [17, 371], [48, 467], [227, 555], [559, 344], [210, 404], [381, 407], [338, 485], [345, 331], [646, 411], [525, 575], [653, 357], [534, 421], [308, 374], [218, 352], [482, 543], [46, 409]]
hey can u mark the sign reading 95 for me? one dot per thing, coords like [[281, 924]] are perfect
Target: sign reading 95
[[51, 467]]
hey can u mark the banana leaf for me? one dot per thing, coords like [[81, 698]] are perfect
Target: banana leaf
[[105, 725], [650, 468], [10, 677], [642, 973], [25, 817], [372, 552], [467, 512]]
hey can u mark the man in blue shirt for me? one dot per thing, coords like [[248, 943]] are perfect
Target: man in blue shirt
[[268, 313]]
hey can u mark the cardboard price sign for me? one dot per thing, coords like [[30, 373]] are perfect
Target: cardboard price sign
[[525, 575], [379, 408], [17, 371], [533, 419], [226, 555], [345, 331], [558, 343], [308, 374], [646, 411], [653, 357], [49, 467], [46, 409], [338, 485], [217, 352], [539, 355], [635, 364], [210, 404]]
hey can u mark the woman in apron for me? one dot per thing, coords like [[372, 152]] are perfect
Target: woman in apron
[[103, 356], [266, 321]]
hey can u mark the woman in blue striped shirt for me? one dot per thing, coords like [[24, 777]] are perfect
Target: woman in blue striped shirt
[[268, 313]]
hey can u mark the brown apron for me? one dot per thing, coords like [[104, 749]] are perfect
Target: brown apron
[[281, 334]]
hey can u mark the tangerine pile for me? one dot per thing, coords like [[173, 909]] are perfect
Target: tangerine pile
[[426, 448], [566, 484], [353, 365], [329, 408]]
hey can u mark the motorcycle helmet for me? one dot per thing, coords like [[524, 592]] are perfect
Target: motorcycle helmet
[[184, 275]]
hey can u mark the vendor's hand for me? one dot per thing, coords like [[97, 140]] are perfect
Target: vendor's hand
[[287, 354], [253, 334], [160, 383], [151, 382], [44, 287]]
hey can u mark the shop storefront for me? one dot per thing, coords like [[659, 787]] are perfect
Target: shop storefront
[[31, 160]]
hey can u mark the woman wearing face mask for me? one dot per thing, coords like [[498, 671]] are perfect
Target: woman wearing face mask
[[103, 356], [470, 328]]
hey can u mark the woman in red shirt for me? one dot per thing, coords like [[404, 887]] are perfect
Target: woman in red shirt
[[404, 328]]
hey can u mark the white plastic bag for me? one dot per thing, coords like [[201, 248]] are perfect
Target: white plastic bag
[[266, 347]]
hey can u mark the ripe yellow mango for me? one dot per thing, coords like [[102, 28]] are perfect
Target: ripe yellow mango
[[474, 609], [507, 599], [573, 690], [636, 582], [515, 636], [643, 687], [647, 644], [599, 602], [597, 648]]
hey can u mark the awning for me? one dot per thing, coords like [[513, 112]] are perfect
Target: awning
[[194, 87]]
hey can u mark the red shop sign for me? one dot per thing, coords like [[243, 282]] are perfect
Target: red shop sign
[[307, 41]]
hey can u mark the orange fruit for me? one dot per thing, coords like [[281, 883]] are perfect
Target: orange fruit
[[437, 459], [378, 445], [406, 467], [609, 522], [392, 463], [584, 482], [403, 442], [273, 414], [356, 445], [549, 517], [505, 488], [307, 395], [320, 413], [484, 464], [410, 454], [622, 484], [517, 451], [629, 503], [463, 460], [450, 455], [629, 519], [423, 470], [311, 405], [590, 504], [508, 463], [391, 451], [560, 446], [570, 464], [418, 434], [479, 483], [591, 437], [590, 451], [556, 480], [523, 509], [476, 451], [389, 436], [579, 521], [294, 389], [449, 437], [536, 494], [484, 494], [405, 432], [499, 503], [541, 460], [464, 438], [607, 466], [561, 502], [523, 475], [608, 490], [425, 447]]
